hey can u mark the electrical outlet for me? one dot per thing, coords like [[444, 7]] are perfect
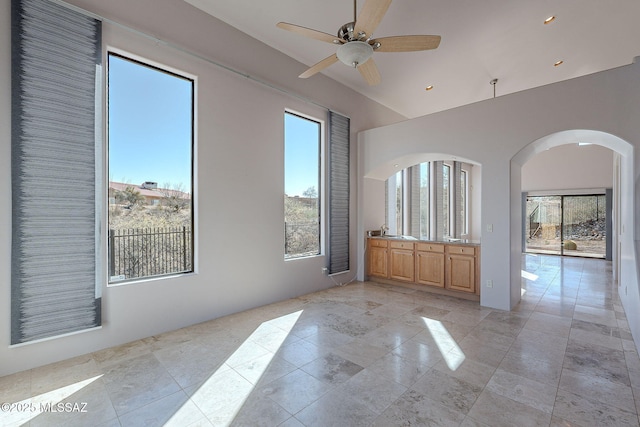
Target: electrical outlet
[[490, 228], [489, 283], [325, 270]]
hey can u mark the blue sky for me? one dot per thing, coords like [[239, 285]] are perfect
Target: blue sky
[[301, 154], [149, 125], [150, 131]]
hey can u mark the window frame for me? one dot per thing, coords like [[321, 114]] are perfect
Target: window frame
[[321, 187], [181, 74]]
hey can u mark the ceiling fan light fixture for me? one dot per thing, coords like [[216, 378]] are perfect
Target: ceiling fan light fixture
[[354, 53]]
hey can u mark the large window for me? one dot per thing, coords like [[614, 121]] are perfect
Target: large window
[[302, 190], [150, 112], [429, 201]]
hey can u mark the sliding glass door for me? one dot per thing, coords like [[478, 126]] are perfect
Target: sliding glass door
[[566, 225], [543, 225]]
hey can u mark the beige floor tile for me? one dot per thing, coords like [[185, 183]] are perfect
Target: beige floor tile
[[498, 411], [451, 392], [137, 382], [538, 395], [585, 411], [372, 390], [374, 355], [595, 387], [336, 409], [295, 391], [415, 409]]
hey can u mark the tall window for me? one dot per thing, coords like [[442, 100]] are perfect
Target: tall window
[[302, 138], [150, 170], [464, 208], [424, 200], [446, 200]]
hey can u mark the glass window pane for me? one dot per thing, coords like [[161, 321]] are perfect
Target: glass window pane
[[424, 200], [446, 200], [463, 201], [150, 119], [301, 186]]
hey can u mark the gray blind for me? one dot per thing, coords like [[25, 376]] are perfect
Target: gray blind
[[56, 60], [338, 193]]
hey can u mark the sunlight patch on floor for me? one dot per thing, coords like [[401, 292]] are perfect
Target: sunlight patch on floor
[[27, 409], [529, 276], [451, 352], [224, 393]]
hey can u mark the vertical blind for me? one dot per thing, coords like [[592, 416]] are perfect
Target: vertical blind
[[338, 193], [56, 61]]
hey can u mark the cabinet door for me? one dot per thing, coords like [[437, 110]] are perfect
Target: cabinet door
[[461, 273], [402, 264], [430, 268], [378, 261]]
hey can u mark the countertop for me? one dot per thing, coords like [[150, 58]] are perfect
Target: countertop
[[446, 241]]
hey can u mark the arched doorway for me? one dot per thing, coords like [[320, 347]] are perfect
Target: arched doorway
[[622, 206]]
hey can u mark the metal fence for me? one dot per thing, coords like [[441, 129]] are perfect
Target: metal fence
[[144, 252]]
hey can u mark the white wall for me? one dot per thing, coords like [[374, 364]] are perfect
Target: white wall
[[569, 167], [494, 133], [240, 178]]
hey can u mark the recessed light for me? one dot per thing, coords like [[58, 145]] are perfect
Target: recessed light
[[428, 87], [549, 20], [558, 63]]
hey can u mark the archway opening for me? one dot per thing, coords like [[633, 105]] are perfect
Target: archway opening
[[622, 193]]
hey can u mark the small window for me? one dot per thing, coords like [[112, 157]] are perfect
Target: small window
[[150, 128], [302, 138]]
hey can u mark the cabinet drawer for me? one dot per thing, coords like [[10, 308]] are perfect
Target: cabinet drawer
[[401, 245], [378, 242], [430, 247], [462, 250]]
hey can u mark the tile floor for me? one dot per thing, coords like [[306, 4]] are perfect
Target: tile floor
[[367, 354]]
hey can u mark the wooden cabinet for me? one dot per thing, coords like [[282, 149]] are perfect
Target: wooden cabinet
[[401, 262], [378, 258], [461, 269], [430, 264], [449, 269]]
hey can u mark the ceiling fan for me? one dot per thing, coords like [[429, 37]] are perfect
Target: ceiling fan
[[357, 46]]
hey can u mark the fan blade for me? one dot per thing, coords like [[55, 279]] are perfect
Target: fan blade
[[370, 16], [319, 66], [307, 32], [406, 43], [369, 71]]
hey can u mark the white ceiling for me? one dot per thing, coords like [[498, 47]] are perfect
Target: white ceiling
[[481, 40]]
